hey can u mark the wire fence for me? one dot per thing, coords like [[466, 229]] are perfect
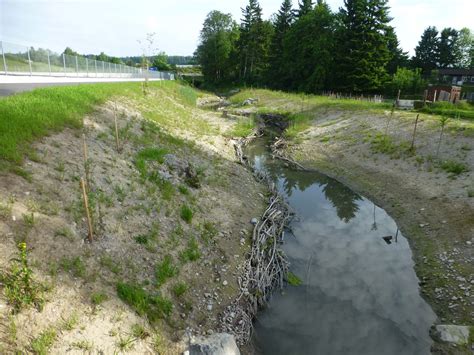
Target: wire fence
[[21, 60]]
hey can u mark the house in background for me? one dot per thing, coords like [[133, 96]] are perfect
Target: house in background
[[450, 93], [457, 77]]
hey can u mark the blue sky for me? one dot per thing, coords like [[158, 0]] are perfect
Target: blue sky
[[114, 26]]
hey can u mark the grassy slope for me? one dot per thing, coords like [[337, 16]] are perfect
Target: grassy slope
[[32, 115], [185, 211]]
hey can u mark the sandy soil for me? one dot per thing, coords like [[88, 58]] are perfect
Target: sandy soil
[[46, 212], [434, 209]]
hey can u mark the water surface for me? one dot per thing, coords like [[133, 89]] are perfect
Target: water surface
[[359, 294]]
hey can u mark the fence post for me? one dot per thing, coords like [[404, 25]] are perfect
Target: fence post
[[95, 63], [29, 60], [4, 60], [64, 63], [87, 67], [103, 69], [49, 63], [77, 66]]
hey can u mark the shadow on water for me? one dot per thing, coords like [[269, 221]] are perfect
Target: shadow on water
[[359, 293]]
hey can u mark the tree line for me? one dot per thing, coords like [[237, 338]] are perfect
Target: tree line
[[314, 49]]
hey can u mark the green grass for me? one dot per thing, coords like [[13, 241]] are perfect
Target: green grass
[[186, 213], [74, 265], [191, 253], [43, 342], [242, 128], [454, 167], [29, 116], [165, 270], [32, 115], [149, 155], [180, 289], [154, 307], [98, 298], [276, 101], [460, 110]]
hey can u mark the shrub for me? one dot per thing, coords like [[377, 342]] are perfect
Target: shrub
[[20, 288]]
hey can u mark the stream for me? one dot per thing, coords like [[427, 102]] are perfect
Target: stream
[[359, 292]]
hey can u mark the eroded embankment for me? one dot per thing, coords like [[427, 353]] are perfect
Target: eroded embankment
[[171, 212]]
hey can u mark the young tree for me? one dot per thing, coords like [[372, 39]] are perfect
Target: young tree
[[427, 51], [283, 21], [363, 52], [449, 53], [218, 39], [465, 46]]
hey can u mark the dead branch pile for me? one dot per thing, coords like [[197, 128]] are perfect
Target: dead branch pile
[[266, 265]]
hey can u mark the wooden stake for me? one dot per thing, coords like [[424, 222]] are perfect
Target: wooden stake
[[414, 133], [86, 206], [86, 157], [117, 143]]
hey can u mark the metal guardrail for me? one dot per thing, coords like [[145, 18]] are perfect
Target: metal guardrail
[[22, 60]]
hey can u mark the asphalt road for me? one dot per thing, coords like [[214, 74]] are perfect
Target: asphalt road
[[10, 89]]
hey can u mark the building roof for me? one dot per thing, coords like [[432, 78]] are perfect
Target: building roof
[[454, 71]]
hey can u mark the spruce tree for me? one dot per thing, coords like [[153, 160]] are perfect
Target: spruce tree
[[363, 51], [308, 51], [398, 58], [305, 6], [282, 24], [254, 43], [427, 51]]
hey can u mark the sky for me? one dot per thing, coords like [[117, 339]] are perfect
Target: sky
[[115, 26]]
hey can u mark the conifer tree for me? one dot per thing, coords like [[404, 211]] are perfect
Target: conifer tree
[[282, 24], [398, 58], [427, 51], [449, 53], [363, 51], [308, 47], [254, 43], [305, 6]]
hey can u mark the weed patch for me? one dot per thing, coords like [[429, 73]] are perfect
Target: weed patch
[[186, 213], [454, 167], [165, 270], [191, 253], [154, 307]]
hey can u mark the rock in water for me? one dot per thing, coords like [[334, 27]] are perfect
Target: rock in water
[[216, 344], [454, 334]]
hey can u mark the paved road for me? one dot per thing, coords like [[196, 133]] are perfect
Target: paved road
[[9, 89], [13, 84]]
